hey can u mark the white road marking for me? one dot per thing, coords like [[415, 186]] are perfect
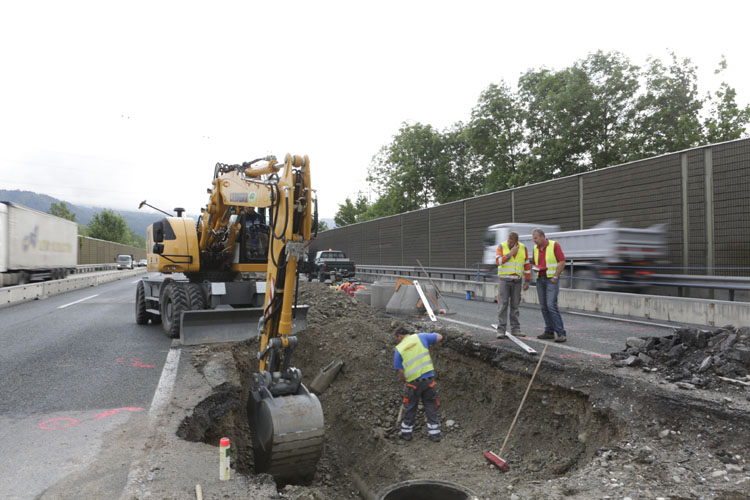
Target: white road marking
[[137, 485], [532, 339], [636, 321], [77, 301], [166, 382]]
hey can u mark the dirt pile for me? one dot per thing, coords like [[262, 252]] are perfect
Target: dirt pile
[[695, 357]]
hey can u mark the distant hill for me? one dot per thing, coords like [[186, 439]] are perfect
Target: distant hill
[[136, 221]]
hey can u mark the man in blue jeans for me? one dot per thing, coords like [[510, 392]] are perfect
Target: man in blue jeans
[[548, 261]]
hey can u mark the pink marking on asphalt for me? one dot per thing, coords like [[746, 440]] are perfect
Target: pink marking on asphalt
[[136, 362], [54, 424], [114, 411]]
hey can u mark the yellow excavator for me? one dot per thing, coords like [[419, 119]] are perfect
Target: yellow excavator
[[233, 276]]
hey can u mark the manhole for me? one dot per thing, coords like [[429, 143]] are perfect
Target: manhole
[[425, 489]]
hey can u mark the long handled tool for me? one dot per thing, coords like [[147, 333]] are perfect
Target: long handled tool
[[495, 459]]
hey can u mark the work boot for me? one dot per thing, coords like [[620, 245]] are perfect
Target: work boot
[[546, 336], [500, 334], [435, 437], [561, 338], [405, 436]]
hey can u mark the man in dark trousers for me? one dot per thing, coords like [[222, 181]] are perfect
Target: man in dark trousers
[[549, 263], [414, 364]]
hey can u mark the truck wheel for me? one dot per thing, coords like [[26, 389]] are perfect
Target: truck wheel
[[173, 302], [585, 280], [141, 316]]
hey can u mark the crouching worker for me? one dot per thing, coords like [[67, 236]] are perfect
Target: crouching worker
[[414, 364]]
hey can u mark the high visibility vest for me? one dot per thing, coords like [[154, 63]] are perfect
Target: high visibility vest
[[415, 357], [514, 265], [549, 257]]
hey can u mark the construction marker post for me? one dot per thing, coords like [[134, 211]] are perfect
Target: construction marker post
[[224, 459]]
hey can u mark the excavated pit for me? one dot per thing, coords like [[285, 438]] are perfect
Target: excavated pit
[[574, 423]]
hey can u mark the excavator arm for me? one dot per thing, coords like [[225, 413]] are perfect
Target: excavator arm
[[286, 420]]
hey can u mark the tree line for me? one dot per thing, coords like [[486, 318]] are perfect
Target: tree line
[[105, 225], [601, 111]]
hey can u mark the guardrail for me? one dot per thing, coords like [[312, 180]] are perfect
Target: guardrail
[[684, 310], [32, 291], [681, 282], [92, 268]]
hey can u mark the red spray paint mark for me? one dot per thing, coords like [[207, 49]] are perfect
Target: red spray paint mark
[[133, 362], [54, 424], [571, 356], [114, 411], [580, 333]]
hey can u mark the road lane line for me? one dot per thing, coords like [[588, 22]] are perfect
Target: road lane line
[[636, 321], [77, 301], [561, 346], [166, 381]]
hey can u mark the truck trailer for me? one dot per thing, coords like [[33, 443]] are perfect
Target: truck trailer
[[35, 246], [605, 257]]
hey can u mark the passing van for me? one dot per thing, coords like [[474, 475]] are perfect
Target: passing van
[[124, 261]]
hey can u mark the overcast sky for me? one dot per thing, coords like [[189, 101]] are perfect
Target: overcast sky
[[109, 103]]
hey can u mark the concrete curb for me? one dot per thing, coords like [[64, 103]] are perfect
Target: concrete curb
[[21, 293]]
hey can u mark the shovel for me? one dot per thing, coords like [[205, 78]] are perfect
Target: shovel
[[495, 459]]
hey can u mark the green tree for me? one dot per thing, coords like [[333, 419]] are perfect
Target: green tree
[[496, 139], [405, 170], [109, 226], [349, 212], [322, 226], [61, 210], [726, 120], [613, 86], [556, 109], [136, 240], [669, 110]]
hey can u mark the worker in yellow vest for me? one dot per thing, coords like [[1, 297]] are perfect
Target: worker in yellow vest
[[414, 365], [513, 272], [549, 263]]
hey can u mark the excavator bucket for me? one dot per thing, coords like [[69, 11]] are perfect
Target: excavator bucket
[[287, 435], [208, 326]]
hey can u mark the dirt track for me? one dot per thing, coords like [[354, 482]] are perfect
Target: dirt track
[[586, 431]]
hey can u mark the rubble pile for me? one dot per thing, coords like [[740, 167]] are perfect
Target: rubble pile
[[701, 358]]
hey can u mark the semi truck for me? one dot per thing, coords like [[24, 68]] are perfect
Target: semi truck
[[35, 246], [605, 257]]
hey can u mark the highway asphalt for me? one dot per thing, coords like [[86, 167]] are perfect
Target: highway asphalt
[[74, 367]]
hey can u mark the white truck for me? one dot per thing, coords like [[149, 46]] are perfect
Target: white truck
[[35, 246], [605, 257]]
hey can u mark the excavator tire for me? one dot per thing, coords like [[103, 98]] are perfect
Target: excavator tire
[[141, 316], [174, 301], [196, 299], [287, 435]]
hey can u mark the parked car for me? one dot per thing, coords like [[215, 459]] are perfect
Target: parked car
[[328, 261], [142, 263]]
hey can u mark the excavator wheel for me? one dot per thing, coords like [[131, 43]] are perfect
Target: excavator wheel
[[287, 435], [196, 299], [141, 316], [174, 301]]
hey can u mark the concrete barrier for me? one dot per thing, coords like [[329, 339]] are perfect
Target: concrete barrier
[[21, 293], [654, 307]]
